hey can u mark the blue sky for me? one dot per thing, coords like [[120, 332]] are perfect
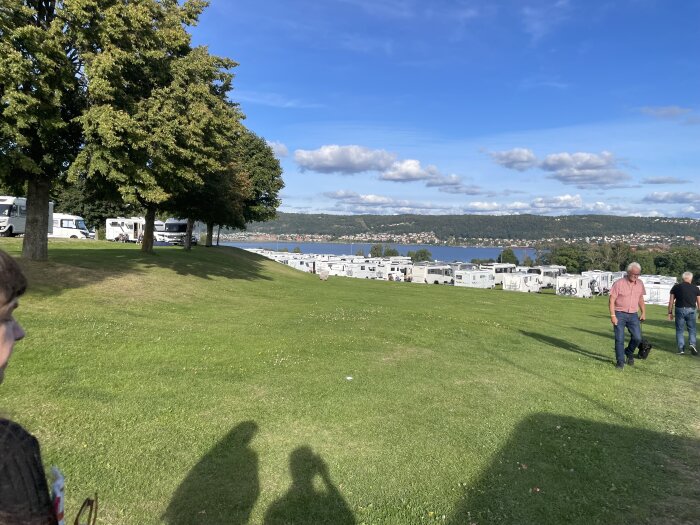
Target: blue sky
[[535, 106]]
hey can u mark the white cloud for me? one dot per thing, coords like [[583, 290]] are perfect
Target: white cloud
[[353, 202], [585, 170], [462, 189], [664, 180], [409, 170], [673, 197], [520, 159], [567, 202], [665, 112], [343, 159], [279, 149]]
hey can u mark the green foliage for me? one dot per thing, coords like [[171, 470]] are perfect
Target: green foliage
[[390, 252], [678, 260], [420, 255], [360, 253], [527, 261], [296, 250], [508, 256], [376, 250]]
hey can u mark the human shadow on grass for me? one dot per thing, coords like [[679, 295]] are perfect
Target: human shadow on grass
[[303, 503], [565, 345], [77, 267], [557, 469], [223, 487]]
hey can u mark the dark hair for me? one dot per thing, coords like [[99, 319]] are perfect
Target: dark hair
[[13, 283]]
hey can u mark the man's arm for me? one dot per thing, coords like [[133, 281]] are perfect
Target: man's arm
[[642, 306], [611, 305], [671, 300]]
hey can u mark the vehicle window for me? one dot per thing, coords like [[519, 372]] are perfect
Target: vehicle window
[[5, 210], [67, 223], [80, 224], [22, 211]]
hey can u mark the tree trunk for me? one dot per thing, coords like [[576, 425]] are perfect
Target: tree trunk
[[147, 244], [210, 234], [35, 246], [187, 241], [218, 234]]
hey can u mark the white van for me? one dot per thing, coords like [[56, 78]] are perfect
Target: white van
[[173, 232], [123, 229], [67, 226], [13, 216]]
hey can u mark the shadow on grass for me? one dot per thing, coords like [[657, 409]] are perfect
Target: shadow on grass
[[558, 469], [565, 345], [83, 265], [303, 503], [223, 487]]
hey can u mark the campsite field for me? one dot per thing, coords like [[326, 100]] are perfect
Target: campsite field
[[184, 387]]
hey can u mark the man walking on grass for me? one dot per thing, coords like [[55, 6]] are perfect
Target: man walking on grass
[[686, 296], [626, 299]]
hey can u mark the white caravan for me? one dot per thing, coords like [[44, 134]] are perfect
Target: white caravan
[[124, 229], [573, 285], [601, 281], [173, 232], [522, 282], [13, 216], [433, 274], [499, 269], [475, 278], [548, 273], [66, 226]]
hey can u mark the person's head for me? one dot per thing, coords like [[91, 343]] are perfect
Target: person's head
[[634, 270], [687, 277], [12, 286]]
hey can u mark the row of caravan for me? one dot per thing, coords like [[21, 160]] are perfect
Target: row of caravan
[[131, 229], [511, 277], [13, 221]]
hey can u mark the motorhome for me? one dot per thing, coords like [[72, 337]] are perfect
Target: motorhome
[[601, 281], [66, 226], [475, 278], [123, 229], [573, 285], [173, 232], [522, 282], [548, 273], [499, 269], [13, 216], [432, 274]]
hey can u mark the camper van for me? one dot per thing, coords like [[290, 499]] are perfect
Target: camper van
[[67, 226], [433, 274], [499, 269], [13, 215], [475, 278], [122, 229], [173, 232]]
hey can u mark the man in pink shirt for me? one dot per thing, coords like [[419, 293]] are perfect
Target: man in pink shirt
[[626, 299]]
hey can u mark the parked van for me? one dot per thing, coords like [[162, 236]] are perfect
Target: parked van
[[13, 216], [433, 274], [67, 226], [173, 232], [122, 229]]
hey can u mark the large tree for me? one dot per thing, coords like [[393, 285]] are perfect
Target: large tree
[[147, 118], [41, 93]]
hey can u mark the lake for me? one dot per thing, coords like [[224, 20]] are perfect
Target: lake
[[440, 253]]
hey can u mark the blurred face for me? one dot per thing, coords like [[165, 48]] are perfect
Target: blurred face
[[633, 274], [10, 333]]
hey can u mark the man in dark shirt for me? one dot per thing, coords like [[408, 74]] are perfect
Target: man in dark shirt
[[686, 297]]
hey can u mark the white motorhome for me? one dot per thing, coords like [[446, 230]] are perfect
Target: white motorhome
[[499, 269], [13, 216], [432, 274], [66, 226], [522, 282], [573, 285], [601, 281], [475, 278], [173, 232], [123, 229], [548, 273]]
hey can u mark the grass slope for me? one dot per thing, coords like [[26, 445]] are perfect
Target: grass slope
[[211, 387]]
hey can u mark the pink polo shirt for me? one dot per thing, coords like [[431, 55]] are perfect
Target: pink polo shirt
[[626, 295]]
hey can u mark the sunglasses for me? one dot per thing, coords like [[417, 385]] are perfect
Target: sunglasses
[[88, 512]]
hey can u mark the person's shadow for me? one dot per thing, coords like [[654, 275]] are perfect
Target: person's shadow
[[303, 503], [223, 487]]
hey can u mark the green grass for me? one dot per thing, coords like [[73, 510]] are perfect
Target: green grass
[[181, 385]]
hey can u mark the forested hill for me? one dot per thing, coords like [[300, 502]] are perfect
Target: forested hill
[[447, 227]]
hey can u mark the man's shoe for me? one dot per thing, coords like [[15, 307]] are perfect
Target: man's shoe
[[693, 350], [619, 366], [630, 360], [680, 352]]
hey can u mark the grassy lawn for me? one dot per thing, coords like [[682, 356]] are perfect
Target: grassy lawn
[[214, 387]]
